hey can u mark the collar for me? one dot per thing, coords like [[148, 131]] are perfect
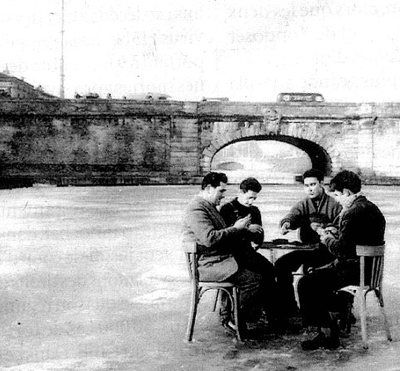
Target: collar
[[350, 200]]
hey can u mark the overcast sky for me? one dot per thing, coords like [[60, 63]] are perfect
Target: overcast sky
[[348, 50]]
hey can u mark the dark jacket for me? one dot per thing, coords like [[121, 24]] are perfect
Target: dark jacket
[[234, 210], [361, 224], [305, 212], [214, 240]]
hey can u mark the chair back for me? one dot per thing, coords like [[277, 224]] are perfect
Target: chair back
[[371, 265], [190, 250]]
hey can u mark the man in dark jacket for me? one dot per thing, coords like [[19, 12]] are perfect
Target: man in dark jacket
[[316, 208], [361, 223], [218, 242], [251, 238]]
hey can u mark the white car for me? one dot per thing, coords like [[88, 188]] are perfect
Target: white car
[[300, 97]]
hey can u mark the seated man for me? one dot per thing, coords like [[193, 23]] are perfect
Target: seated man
[[217, 244], [316, 209], [361, 223], [246, 255]]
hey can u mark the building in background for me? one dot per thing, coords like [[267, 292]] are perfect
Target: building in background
[[13, 87]]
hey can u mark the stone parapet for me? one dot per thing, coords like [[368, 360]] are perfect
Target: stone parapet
[[110, 141]]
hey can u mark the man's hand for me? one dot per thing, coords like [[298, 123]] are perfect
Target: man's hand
[[327, 234], [255, 228], [285, 228], [333, 231], [316, 226], [243, 223]]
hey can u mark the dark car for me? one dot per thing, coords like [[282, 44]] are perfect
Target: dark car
[[4, 94], [148, 96], [87, 96]]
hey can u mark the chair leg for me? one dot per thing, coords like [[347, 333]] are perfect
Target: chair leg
[[344, 316], [349, 316], [216, 300], [379, 296], [363, 316], [192, 314], [235, 295]]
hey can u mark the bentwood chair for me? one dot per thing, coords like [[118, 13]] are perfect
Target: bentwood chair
[[200, 287], [371, 274]]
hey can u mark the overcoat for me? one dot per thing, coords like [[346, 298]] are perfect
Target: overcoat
[[215, 241]]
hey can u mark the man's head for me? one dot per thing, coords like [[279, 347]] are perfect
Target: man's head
[[313, 181], [345, 184], [248, 191], [214, 187]]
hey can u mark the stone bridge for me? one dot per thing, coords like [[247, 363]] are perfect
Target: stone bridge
[[94, 142]]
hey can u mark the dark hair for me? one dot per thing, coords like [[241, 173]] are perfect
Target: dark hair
[[213, 179], [250, 184], [314, 173], [346, 179]]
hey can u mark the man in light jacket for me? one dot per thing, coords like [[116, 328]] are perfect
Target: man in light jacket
[[216, 243], [317, 207]]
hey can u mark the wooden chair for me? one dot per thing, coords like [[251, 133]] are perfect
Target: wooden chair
[[371, 273], [200, 287]]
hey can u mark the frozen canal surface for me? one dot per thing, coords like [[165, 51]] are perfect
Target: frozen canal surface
[[95, 279]]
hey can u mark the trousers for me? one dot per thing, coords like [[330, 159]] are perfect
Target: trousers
[[256, 282], [318, 295], [289, 263]]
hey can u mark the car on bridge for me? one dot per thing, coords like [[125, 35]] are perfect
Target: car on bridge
[[300, 97], [89, 95], [5, 94], [148, 96], [221, 99]]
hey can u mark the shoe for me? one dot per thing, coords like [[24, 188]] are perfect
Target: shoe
[[230, 328], [321, 341], [259, 325], [311, 331]]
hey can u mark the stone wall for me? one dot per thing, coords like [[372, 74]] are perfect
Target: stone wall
[[108, 142], [386, 148], [85, 150]]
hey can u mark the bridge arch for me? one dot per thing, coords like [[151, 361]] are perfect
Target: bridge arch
[[322, 154]]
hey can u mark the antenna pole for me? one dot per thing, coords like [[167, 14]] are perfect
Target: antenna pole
[[62, 76]]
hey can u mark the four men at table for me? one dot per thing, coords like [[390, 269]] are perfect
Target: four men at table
[[225, 240]]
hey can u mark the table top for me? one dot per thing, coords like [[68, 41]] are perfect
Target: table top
[[285, 244]]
